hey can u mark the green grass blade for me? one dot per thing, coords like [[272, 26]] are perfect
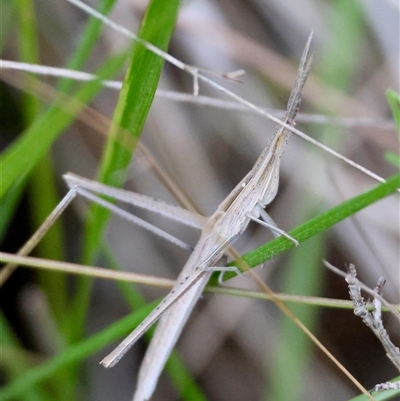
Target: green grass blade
[[393, 99], [292, 350], [8, 9], [27, 45], [293, 346], [18, 160], [133, 106], [318, 224], [7, 208], [14, 361], [393, 158], [42, 178], [182, 380], [74, 354], [342, 53], [88, 40], [41, 182]]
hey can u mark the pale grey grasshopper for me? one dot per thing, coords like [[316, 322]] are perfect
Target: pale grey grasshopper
[[244, 204]]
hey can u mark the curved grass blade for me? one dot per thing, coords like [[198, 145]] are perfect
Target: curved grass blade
[[316, 225], [14, 361], [74, 354]]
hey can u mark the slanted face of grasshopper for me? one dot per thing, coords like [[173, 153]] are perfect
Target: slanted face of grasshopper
[[244, 203]]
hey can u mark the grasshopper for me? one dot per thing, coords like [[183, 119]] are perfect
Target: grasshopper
[[244, 204]]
